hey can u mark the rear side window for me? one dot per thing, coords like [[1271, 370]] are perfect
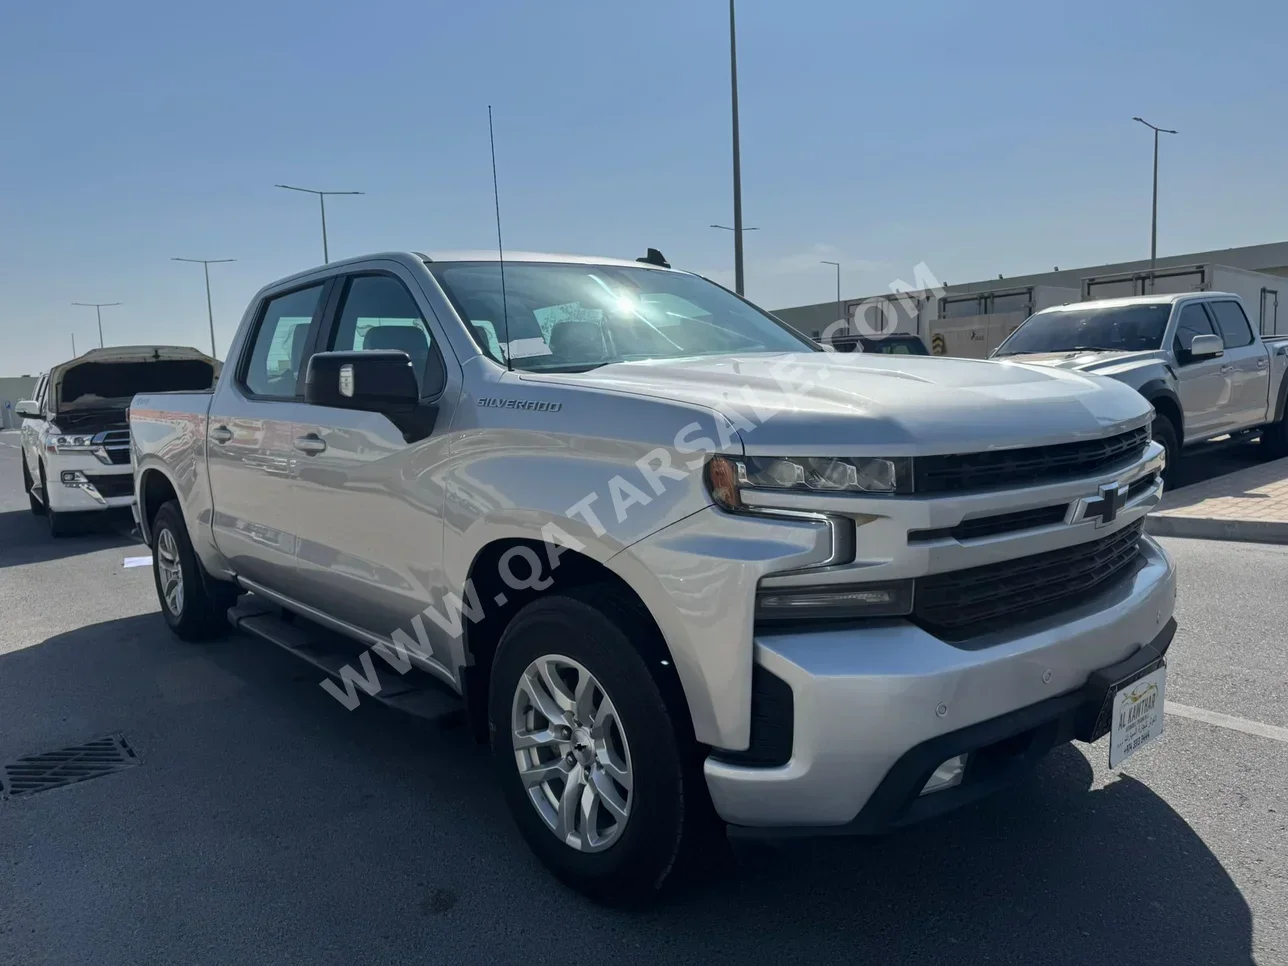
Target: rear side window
[[1235, 330], [1193, 321], [280, 343], [379, 313]]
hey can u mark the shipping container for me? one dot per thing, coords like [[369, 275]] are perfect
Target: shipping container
[[1259, 291], [971, 325]]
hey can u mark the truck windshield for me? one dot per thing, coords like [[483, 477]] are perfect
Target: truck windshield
[[574, 317], [1109, 328]]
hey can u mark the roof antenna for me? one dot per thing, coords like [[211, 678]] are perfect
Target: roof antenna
[[500, 250]]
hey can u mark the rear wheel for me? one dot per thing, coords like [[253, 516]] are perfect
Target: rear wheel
[[598, 766], [1164, 432], [1274, 439], [193, 603], [28, 484]]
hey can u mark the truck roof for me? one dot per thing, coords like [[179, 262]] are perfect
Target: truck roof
[[485, 255], [1163, 299]]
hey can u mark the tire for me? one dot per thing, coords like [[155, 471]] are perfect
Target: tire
[[60, 524], [669, 821], [1164, 432], [1274, 439], [194, 604], [37, 507]]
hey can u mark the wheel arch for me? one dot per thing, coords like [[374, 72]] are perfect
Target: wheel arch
[[153, 490], [1166, 404], [566, 568]]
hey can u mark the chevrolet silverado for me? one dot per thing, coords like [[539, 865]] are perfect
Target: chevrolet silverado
[[681, 568]]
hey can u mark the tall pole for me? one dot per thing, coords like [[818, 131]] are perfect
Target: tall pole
[[1153, 220], [210, 312], [737, 155], [326, 255], [98, 314], [1153, 217], [840, 311], [73, 345]]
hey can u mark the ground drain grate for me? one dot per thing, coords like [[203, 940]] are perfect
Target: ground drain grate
[[53, 769]]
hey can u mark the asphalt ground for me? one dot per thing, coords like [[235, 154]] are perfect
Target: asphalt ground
[[266, 824]]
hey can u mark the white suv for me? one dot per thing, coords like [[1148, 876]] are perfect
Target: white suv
[[75, 437]]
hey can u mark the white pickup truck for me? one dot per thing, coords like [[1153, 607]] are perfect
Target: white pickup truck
[[676, 563], [75, 439]]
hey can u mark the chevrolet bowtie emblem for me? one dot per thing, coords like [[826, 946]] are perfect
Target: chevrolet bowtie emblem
[[1103, 507]]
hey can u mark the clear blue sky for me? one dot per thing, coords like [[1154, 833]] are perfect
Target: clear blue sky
[[978, 137]]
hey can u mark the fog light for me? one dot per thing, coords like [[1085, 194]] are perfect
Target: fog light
[[947, 775], [74, 478]]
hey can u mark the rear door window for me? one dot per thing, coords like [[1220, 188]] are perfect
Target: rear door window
[[278, 353]]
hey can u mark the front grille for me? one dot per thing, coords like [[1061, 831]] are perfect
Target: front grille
[[119, 484], [992, 526], [966, 603], [1021, 467], [116, 443]]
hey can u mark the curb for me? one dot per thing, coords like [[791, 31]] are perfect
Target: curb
[[1210, 528]]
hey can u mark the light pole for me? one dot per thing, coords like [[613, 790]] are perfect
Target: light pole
[[73, 345], [737, 156], [210, 312], [326, 257], [840, 312], [1153, 223], [98, 311]]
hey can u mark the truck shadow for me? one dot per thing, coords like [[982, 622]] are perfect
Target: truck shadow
[[260, 797], [25, 539]]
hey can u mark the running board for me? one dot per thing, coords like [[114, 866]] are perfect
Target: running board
[[416, 693]]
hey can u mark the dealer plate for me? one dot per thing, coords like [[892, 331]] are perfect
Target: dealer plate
[[1137, 715]]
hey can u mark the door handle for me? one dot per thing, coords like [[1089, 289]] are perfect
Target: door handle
[[1227, 369], [311, 444], [221, 434], [1262, 363]]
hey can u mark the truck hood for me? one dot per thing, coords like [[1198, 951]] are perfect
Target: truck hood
[[830, 404], [107, 379], [1101, 363]]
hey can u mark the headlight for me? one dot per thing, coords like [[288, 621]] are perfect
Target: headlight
[[727, 476], [69, 444]]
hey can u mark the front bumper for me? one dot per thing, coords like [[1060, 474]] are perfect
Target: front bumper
[[872, 705], [98, 486]]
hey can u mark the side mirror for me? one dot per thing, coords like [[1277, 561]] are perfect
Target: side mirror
[[1206, 347], [27, 409], [380, 381]]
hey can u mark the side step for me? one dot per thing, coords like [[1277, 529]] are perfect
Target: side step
[[416, 693]]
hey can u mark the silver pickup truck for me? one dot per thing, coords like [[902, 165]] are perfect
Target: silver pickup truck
[[1194, 356], [680, 567]]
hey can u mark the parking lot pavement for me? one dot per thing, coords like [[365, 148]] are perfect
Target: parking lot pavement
[[267, 824]]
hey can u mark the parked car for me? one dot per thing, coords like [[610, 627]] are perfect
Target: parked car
[[1194, 356], [75, 437], [896, 344], [679, 566]]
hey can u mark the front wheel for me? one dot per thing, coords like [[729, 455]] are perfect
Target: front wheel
[[1165, 433], [193, 603], [37, 507], [598, 767], [60, 524]]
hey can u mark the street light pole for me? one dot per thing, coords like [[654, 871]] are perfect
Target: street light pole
[[326, 255], [840, 312], [73, 345], [98, 312], [210, 312], [737, 155], [1153, 222]]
